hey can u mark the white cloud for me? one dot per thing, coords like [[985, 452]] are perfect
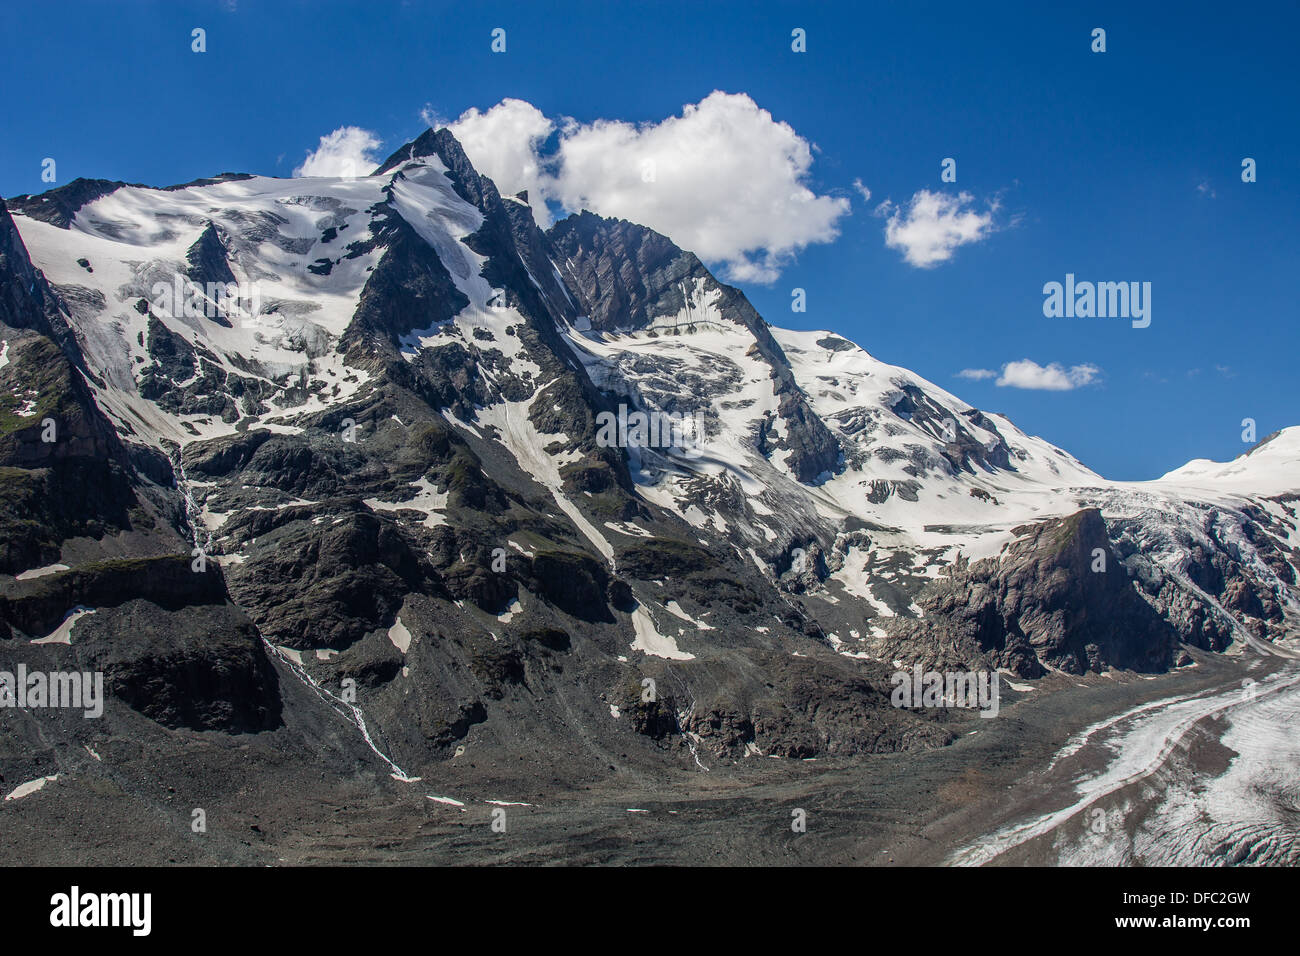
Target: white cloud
[[863, 191], [345, 152], [432, 118], [724, 179], [931, 225], [503, 144], [1026, 373], [976, 374], [728, 183]]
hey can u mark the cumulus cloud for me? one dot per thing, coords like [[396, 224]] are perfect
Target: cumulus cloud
[[504, 145], [348, 151], [930, 226], [976, 374], [724, 179], [1026, 373]]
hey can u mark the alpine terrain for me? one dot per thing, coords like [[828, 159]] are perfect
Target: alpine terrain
[[386, 516]]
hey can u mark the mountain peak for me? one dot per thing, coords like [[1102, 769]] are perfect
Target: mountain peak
[[440, 142]]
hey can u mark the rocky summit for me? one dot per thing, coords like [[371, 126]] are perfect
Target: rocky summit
[[316, 473]]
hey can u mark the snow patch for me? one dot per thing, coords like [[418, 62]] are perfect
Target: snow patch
[[41, 572], [63, 633], [31, 786], [400, 636], [650, 641]]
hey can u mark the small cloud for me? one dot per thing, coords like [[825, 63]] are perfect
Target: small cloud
[[1225, 370], [976, 374], [432, 118], [348, 151], [932, 225], [1206, 190], [863, 191], [1026, 373]]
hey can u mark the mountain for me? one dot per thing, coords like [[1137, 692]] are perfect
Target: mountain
[[331, 475]]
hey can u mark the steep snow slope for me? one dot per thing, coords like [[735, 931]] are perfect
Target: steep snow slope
[[272, 233]]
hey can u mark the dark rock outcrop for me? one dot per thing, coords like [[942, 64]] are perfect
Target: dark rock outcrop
[[1058, 597]]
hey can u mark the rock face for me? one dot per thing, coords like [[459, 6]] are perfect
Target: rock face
[[1057, 598], [384, 514], [625, 277], [59, 206], [217, 677]]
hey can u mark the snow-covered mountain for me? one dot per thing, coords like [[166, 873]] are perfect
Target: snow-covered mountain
[[379, 437]]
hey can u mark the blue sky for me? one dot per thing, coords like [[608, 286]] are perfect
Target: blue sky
[[1115, 166]]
